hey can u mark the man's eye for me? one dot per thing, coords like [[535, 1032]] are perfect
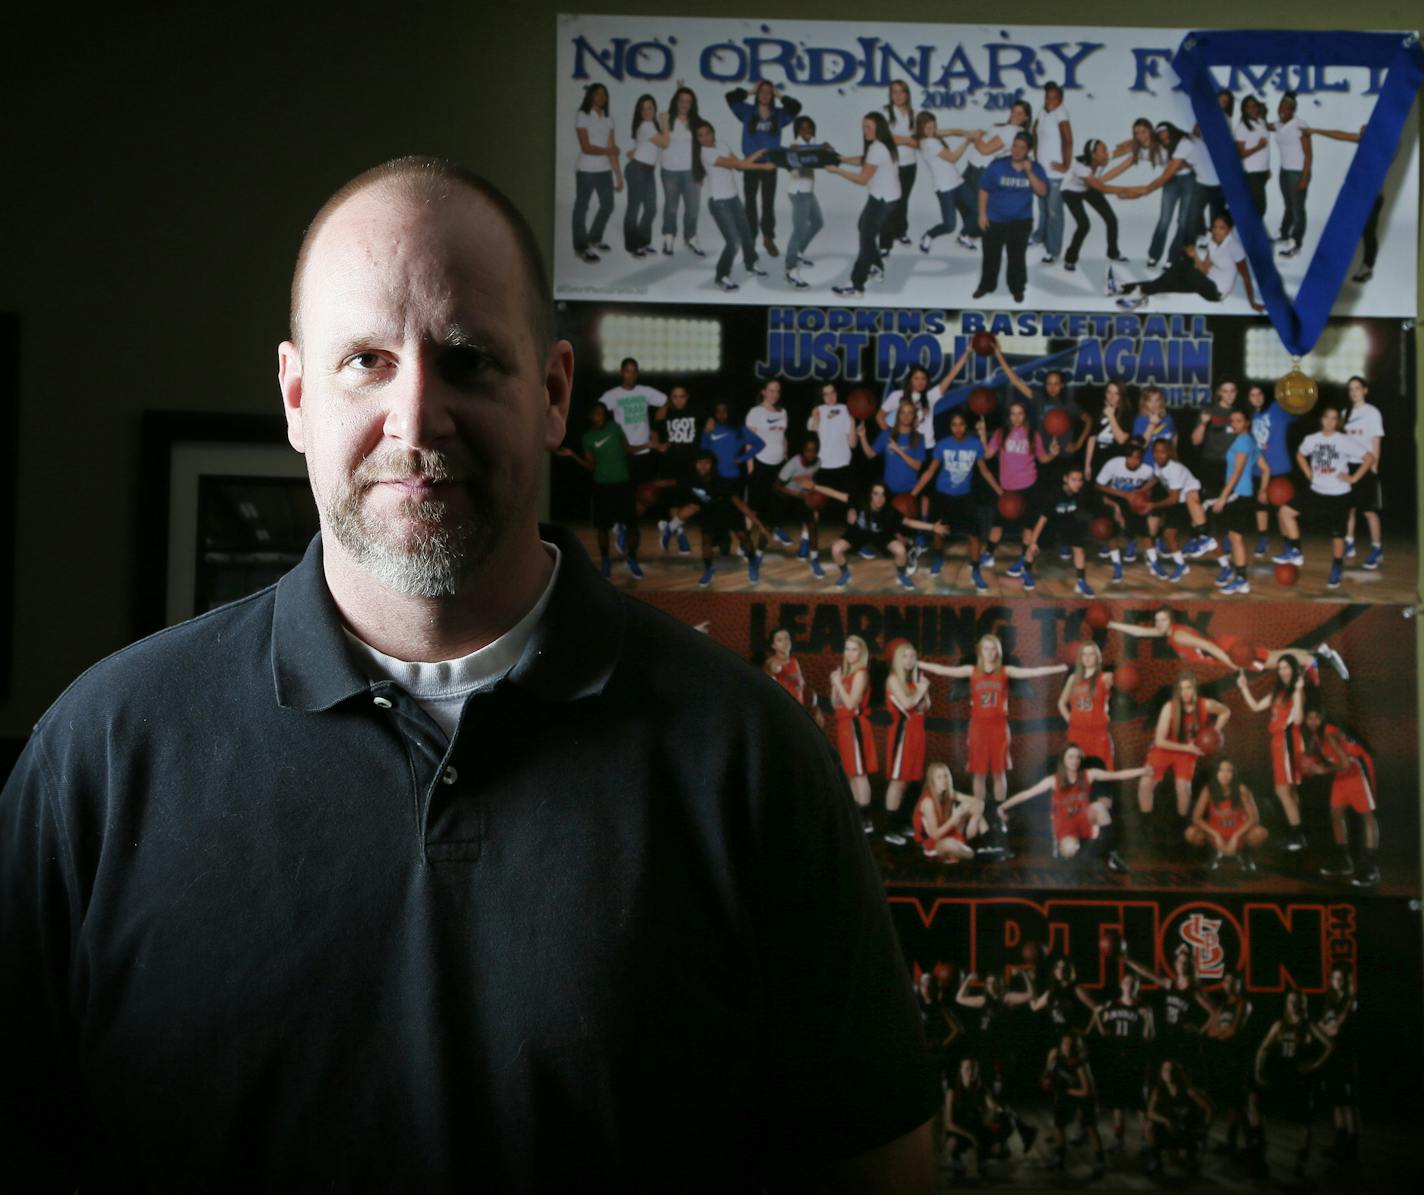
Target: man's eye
[[364, 361], [464, 365]]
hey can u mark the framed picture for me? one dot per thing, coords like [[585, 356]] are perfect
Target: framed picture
[[226, 510]]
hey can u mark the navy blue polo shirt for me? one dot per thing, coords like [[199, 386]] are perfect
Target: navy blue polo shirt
[[263, 927], [1011, 194]]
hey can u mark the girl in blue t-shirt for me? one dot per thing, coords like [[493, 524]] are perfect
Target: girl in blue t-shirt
[[1153, 423], [1247, 475], [903, 448]]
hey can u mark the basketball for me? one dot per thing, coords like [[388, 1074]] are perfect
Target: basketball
[[905, 504], [1126, 677], [982, 343], [861, 403], [1011, 506], [1287, 574], [1280, 491], [981, 400], [944, 974], [1242, 654], [1101, 528], [815, 500], [1209, 740], [646, 495], [1109, 943], [1097, 616], [1056, 422]]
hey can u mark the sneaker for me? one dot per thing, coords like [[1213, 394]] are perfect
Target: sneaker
[[754, 567], [1083, 589], [844, 579], [1018, 296], [1334, 580], [1047, 259], [803, 260], [1179, 572], [1289, 556], [868, 553], [1117, 864], [1117, 571], [1372, 561], [1341, 867], [1028, 582], [1334, 659], [816, 570], [1129, 553], [905, 582], [634, 568], [803, 549], [876, 274], [605, 570], [683, 547], [867, 825], [986, 560], [780, 536], [902, 240], [706, 578], [1290, 251], [1016, 569], [1104, 552], [894, 837], [1070, 266], [603, 247], [756, 271], [1065, 552], [1151, 263], [726, 284], [1203, 545], [590, 256], [1364, 275], [968, 242], [1110, 284], [936, 565], [1349, 549], [848, 291], [1263, 545], [1368, 878], [1215, 862], [976, 578], [925, 242], [912, 564], [667, 246], [795, 280], [1224, 576], [695, 247], [1158, 570], [1295, 839], [1236, 586]]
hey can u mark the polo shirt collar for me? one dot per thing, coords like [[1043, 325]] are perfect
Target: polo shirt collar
[[571, 653]]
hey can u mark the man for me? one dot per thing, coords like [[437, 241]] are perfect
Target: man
[[383, 878]]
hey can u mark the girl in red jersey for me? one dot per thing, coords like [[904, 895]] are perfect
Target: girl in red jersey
[[989, 680], [1327, 750], [1286, 702], [1195, 647], [784, 668], [944, 819], [1084, 705], [907, 697], [850, 699], [1226, 819], [1174, 752], [1077, 818]]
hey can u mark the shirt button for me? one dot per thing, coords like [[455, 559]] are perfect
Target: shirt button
[[383, 702], [449, 776]]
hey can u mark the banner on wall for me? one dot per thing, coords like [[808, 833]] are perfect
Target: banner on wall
[[645, 213]]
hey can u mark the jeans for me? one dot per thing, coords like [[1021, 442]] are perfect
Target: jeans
[[1371, 235], [1050, 218], [587, 184], [806, 222], [765, 182], [1293, 222], [1176, 199], [1011, 235], [871, 229], [969, 201], [1075, 201], [949, 203], [1205, 198], [897, 221], [679, 184], [731, 218], [1182, 277], [642, 206], [1257, 180]]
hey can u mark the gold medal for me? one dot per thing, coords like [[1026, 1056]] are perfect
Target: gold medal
[[1297, 392]]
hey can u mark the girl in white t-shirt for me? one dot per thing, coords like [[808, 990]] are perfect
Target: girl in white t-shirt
[[1253, 143], [1294, 154], [880, 176], [942, 165], [681, 169], [1211, 274], [597, 172], [1334, 462], [643, 158], [900, 115], [1086, 185], [726, 205], [1177, 182], [985, 146]]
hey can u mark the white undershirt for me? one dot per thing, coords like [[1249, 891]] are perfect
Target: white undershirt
[[440, 687]]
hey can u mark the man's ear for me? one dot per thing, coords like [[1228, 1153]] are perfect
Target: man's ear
[[289, 381], [559, 385]]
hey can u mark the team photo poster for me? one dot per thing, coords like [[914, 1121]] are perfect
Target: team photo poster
[[726, 161]]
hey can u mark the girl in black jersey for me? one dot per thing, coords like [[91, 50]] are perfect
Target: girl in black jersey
[[1292, 1049], [1069, 1083], [1180, 1010], [1177, 1117], [1127, 1028], [1226, 1053], [991, 1035], [1062, 998], [1338, 1020], [973, 1119]]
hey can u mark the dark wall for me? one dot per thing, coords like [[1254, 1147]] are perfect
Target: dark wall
[[159, 171]]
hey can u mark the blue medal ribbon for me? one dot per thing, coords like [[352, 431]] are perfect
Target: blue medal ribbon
[[1300, 323]]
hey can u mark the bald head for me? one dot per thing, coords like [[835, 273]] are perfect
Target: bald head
[[430, 183]]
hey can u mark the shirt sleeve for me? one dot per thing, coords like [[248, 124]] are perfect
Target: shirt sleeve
[[882, 441]]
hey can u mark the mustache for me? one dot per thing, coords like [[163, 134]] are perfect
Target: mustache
[[429, 464]]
